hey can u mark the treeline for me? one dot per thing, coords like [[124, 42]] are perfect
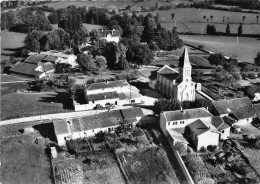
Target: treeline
[[24, 20], [247, 4], [5, 5]]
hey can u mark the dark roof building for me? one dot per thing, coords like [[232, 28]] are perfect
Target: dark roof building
[[60, 127], [104, 85], [35, 59], [198, 127], [25, 69], [251, 91], [218, 122], [102, 96], [239, 108]]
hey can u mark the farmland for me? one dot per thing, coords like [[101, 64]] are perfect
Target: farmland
[[227, 45]]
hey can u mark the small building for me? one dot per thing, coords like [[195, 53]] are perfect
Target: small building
[[223, 127], [239, 109], [88, 126], [201, 134], [253, 92]]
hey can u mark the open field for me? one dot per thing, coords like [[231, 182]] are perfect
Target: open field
[[23, 161], [10, 43], [227, 45], [14, 105], [149, 166], [12, 78], [191, 19]]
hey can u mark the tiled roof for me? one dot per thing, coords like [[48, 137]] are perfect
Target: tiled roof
[[108, 84], [167, 70], [35, 59], [257, 108], [51, 58], [132, 113], [60, 127], [102, 96], [186, 114], [240, 107], [105, 119], [24, 68], [218, 122], [198, 127], [230, 121]]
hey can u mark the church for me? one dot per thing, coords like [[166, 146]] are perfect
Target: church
[[176, 83]]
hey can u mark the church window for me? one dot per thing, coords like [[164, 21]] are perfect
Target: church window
[[174, 123], [182, 122]]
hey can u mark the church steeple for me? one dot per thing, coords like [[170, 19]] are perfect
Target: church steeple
[[185, 66]]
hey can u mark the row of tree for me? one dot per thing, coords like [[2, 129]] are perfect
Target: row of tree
[[211, 30]]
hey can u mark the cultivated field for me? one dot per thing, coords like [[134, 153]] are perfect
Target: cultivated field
[[10, 43], [227, 45], [24, 161]]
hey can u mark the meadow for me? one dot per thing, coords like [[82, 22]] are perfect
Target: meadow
[[11, 42], [227, 45]]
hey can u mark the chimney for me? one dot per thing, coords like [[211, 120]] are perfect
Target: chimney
[[105, 96], [207, 108]]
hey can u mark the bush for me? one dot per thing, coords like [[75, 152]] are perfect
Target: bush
[[244, 75], [212, 148], [181, 147], [203, 149]]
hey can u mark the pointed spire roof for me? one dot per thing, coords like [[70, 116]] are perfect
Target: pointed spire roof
[[184, 59]]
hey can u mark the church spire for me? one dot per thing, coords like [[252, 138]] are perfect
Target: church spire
[[184, 60]]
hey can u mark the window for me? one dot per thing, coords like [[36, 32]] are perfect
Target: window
[[174, 123], [168, 123], [182, 122], [223, 131], [93, 101]]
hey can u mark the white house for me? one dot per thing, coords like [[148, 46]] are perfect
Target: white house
[[176, 83], [174, 124], [253, 92], [88, 126], [239, 109], [110, 35]]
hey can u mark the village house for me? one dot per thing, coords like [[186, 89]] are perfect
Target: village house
[[176, 83], [109, 92], [88, 126], [239, 111], [188, 122], [253, 92], [109, 35]]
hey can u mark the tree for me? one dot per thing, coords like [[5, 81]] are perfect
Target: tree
[[86, 62], [204, 17], [53, 18], [32, 41], [257, 59], [257, 17], [173, 15], [123, 64], [240, 30], [211, 29], [101, 63], [216, 59], [140, 55], [166, 105], [244, 17], [211, 17], [228, 30], [38, 22]]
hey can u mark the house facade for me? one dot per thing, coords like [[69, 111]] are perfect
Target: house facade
[[88, 126], [176, 83], [110, 35]]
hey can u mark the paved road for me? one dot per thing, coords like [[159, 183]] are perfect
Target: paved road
[[64, 115]]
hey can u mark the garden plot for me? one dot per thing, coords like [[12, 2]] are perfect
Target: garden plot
[[148, 166]]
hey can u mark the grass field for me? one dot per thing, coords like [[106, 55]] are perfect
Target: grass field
[[12, 78], [191, 19], [227, 45], [23, 161], [10, 43], [14, 105]]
